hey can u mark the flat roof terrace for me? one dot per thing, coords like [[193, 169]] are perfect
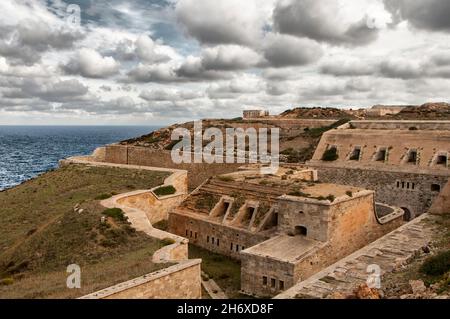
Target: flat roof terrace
[[284, 248]]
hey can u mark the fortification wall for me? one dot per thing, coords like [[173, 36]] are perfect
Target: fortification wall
[[220, 239], [197, 172], [181, 281], [412, 191], [402, 125], [287, 123], [396, 144]]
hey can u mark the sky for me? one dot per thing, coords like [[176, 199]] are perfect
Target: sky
[[153, 62]]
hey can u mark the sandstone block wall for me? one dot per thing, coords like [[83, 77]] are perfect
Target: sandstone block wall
[[213, 237], [254, 268], [390, 187], [181, 281], [197, 173], [155, 209], [428, 145], [313, 216], [402, 125]]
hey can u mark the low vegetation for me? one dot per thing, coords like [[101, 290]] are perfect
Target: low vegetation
[[206, 202], [431, 265], [161, 225], [115, 213], [225, 178], [226, 272], [437, 265], [42, 233], [165, 190], [167, 241]]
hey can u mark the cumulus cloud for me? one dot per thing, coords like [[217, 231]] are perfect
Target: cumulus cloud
[[184, 59], [348, 67], [56, 90], [401, 68], [162, 94], [429, 15], [332, 21], [28, 30], [234, 88], [89, 63], [152, 73], [194, 69], [229, 57], [284, 50], [224, 22], [147, 51]]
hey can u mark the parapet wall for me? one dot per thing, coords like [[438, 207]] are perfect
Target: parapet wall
[[181, 281], [197, 172], [402, 125], [287, 123]]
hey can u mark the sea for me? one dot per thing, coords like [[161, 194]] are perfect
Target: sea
[[28, 151]]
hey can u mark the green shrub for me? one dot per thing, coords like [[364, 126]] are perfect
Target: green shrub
[[349, 193], [299, 194], [436, 265], [225, 178], [161, 225], [6, 281], [167, 242], [331, 198], [330, 155], [115, 213], [103, 196], [165, 190]]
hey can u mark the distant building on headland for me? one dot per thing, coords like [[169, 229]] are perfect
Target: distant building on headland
[[252, 114]]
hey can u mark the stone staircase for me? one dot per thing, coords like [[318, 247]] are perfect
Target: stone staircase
[[389, 252]]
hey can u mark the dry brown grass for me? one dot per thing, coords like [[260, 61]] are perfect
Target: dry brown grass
[[41, 234]]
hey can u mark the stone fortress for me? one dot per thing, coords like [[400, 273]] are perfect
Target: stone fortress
[[366, 179], [283, 227]]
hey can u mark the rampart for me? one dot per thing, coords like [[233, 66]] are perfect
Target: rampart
[[180, 281], [402, 125], [132, 155]]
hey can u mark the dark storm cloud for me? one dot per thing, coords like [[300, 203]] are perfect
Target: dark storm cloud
[[430, 15]]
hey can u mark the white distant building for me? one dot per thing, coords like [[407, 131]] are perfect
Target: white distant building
[[251, 114]]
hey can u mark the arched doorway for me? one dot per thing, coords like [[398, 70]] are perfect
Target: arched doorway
[[301, 231], [407, 215]]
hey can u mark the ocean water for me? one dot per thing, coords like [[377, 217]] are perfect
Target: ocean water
[[27, 151]]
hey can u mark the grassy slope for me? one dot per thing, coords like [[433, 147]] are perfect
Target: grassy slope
[[41, 234], [225, 271]]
